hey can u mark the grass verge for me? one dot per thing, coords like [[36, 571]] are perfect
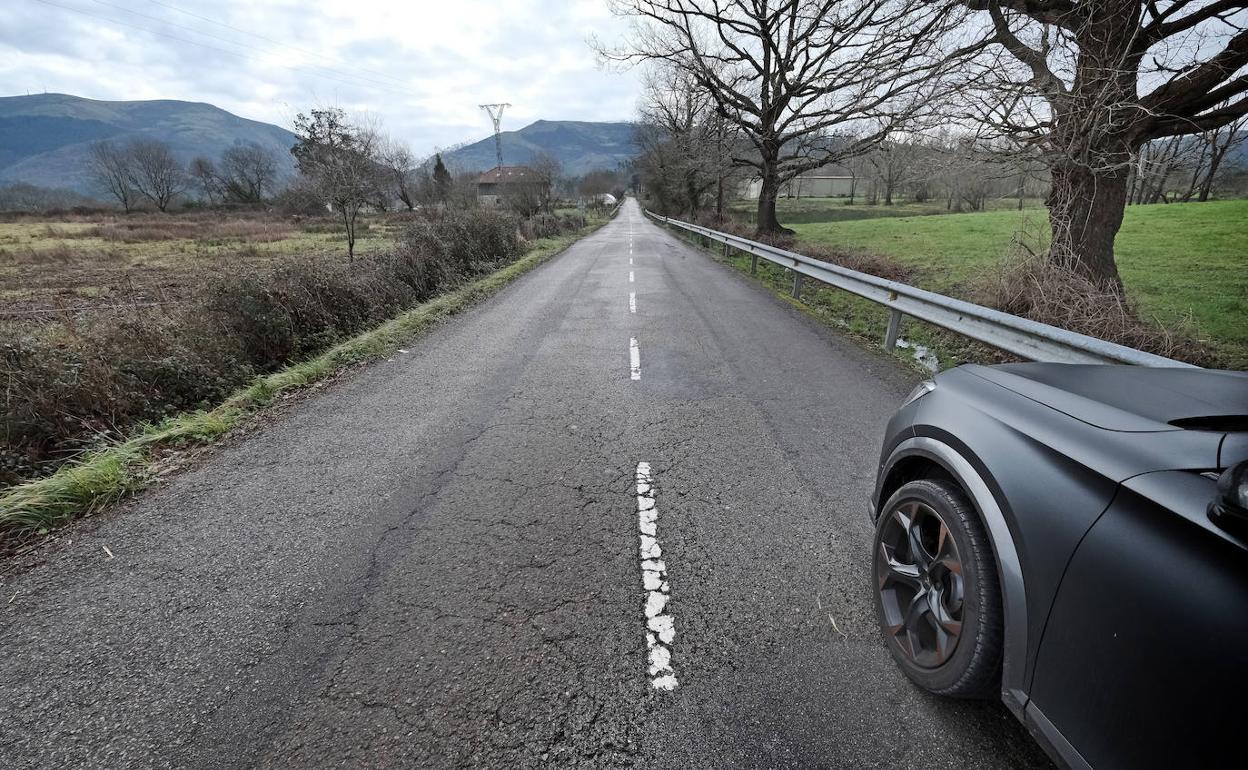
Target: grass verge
[[107, 475], [862, 320], [1183, 262]]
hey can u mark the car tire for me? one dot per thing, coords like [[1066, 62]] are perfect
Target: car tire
[[936, 591]]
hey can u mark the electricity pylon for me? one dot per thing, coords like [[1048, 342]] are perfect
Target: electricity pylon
[[496, 114]]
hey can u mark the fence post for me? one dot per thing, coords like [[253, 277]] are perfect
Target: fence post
[[753, 264], [894, 329], [797, 285]]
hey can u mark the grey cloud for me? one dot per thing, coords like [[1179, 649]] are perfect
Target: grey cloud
[[423, 84]]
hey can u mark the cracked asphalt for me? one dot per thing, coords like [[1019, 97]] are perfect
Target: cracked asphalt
[[434, 561]]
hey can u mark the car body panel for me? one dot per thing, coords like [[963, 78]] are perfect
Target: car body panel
[[1044, 542], [1067, 479], [1051, 474], [1143, 657], [1114, 454], [1234, 449], [1126, 398]]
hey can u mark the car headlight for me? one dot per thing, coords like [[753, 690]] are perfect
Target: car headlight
[[1229, 508], [920, 390]]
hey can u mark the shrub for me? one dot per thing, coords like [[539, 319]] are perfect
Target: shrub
[[423, 272], [73, 388], [1032, 287], [300, 309], [551, 225], [472, 240], [73, 385]]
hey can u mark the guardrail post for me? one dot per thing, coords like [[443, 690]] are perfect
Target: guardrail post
[[894, 329], [753, 264], [797, 285], [725, 249]]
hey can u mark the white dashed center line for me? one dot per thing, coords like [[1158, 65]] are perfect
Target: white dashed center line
[[634, 358], [630, 276], [632, 302], [660, 625]]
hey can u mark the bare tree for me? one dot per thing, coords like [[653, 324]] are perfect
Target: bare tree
[[1218, 143], [525, 189], [895, 162], [110, 169], [1086, 84], [399, 166], [203, 173], [688, 146], [1155, 165], [248, 172], [548, 169], [798, 78], [598, 183], [155, 173], [339, 160]]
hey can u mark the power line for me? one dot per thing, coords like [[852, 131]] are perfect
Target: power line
[[278, 43], [227, 51], [229, 41]]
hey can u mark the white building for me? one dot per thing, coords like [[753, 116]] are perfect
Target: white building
[[824, 182]]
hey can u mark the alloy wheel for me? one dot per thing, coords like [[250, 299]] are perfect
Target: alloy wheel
[[919, 577]]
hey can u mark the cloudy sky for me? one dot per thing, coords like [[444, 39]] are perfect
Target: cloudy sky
[[420, 66]]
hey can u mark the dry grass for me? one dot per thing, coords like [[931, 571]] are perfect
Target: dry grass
[[147, 230], [878, 265], [60, 253], [1032, 287], [80, 262]]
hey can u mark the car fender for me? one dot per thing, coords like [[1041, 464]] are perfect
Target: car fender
[[1009, 568]]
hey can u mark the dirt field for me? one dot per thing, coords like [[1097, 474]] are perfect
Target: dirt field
[[79, 264]]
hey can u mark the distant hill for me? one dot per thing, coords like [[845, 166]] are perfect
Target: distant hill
[[579, 145], [45, 138]]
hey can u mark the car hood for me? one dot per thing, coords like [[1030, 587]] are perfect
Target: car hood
[[1131, 398]]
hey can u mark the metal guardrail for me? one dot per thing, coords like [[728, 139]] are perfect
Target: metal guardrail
[[1029, 339]]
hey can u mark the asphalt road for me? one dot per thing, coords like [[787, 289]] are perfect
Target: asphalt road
[[437, 560]]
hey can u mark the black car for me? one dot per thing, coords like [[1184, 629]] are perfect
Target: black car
[[1074, 540]]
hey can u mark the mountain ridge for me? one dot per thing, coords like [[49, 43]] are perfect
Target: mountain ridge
[[580, 145], [47, 137]]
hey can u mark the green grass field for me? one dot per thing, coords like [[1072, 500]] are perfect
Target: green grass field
[[1180, 261], [794, 211]]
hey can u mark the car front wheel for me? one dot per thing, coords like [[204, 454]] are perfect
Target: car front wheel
[[936, 591]]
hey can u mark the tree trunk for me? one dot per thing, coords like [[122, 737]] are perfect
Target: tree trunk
[[1085, 210], [1215, 160], [719, 198], [768, 192], [349, 222]]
